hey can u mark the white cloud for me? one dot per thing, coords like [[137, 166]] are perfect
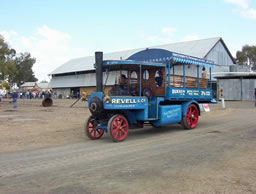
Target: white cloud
[[240, 3], [165, 36], [244, 8], [54, 35], [254, 42], [249, 13], [190, 38], [169, 31], [50, 47]]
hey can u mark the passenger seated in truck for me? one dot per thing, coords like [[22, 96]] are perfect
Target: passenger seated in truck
[[122, 87], [158, 78]]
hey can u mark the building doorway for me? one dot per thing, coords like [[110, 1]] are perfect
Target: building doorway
[[75, 93]]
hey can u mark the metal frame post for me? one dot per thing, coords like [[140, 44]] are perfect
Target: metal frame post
[[198, 79], [210, 78], [140, 79], [184, 76], [169, 74]]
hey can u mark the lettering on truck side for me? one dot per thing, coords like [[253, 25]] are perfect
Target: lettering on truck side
[[127, 101]]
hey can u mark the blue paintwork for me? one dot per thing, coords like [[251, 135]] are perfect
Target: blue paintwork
[[142, 115], [126, 103], [131, 116], [127, 62], [184, 93], [153, 107], [168, 114], [104, 127], [100, 95], [135, 108], [164, 56], [213, 101]]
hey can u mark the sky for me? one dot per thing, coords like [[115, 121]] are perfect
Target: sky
[[56, 31]]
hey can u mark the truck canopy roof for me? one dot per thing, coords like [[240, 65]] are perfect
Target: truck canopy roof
[[155, 58]]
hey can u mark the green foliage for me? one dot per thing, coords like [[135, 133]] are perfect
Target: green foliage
[[24, 64], [7, 61], [5, 85], [15, 68], [247, 55]]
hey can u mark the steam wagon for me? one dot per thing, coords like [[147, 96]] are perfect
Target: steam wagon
[[152, 88]]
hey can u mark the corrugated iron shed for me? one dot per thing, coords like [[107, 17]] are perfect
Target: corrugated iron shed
[[197, 48]]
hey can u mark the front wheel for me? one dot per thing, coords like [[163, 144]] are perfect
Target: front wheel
[[118, 127], [91, 131], [190, 120]]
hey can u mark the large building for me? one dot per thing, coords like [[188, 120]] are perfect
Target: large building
[[236, 85], [78, 75]]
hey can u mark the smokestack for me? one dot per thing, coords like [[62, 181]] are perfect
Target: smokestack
[[99, 71]]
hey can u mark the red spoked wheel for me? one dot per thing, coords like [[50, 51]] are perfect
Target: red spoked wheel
[[91, 131], [118, 127], [190, 120]]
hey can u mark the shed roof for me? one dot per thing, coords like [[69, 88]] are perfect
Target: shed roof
[[43, 85], [196, 48], [228, 75], [28, 84]]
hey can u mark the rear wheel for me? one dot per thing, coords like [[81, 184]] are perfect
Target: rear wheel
[[190, 120], [91, 131], [118, 127]]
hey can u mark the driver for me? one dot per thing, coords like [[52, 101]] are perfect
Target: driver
[[123, 82], [121, 88]]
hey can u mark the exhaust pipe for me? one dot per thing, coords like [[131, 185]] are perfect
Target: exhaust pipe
[[99, 71]]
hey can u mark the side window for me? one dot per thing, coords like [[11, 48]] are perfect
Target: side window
[[134, 75], [145, 75], [134, 78], [158, 78]]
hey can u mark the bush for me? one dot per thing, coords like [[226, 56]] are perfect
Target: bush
[[5, 85]]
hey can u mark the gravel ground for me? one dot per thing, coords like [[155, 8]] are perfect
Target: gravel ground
[[45, 150]]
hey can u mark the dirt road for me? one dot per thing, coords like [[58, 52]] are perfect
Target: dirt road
[[218, 156]]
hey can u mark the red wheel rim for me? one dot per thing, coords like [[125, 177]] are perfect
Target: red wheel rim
[[119, 128], [192, 116], [93, 132]]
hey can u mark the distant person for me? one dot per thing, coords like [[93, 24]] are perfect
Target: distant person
[[203, 73], [1, 95], [15, 99], [255, 97]]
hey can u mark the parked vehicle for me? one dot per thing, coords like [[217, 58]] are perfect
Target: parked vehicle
[[152, 89]]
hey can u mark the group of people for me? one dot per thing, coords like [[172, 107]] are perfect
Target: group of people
[[15, 95], [35, 94]]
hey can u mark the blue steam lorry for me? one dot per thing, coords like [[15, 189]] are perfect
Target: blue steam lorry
[[152, 88]]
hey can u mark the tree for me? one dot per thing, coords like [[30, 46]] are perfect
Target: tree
[[247, 56], [15, 68], [5, 85], [24, 63], [7, 61]]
